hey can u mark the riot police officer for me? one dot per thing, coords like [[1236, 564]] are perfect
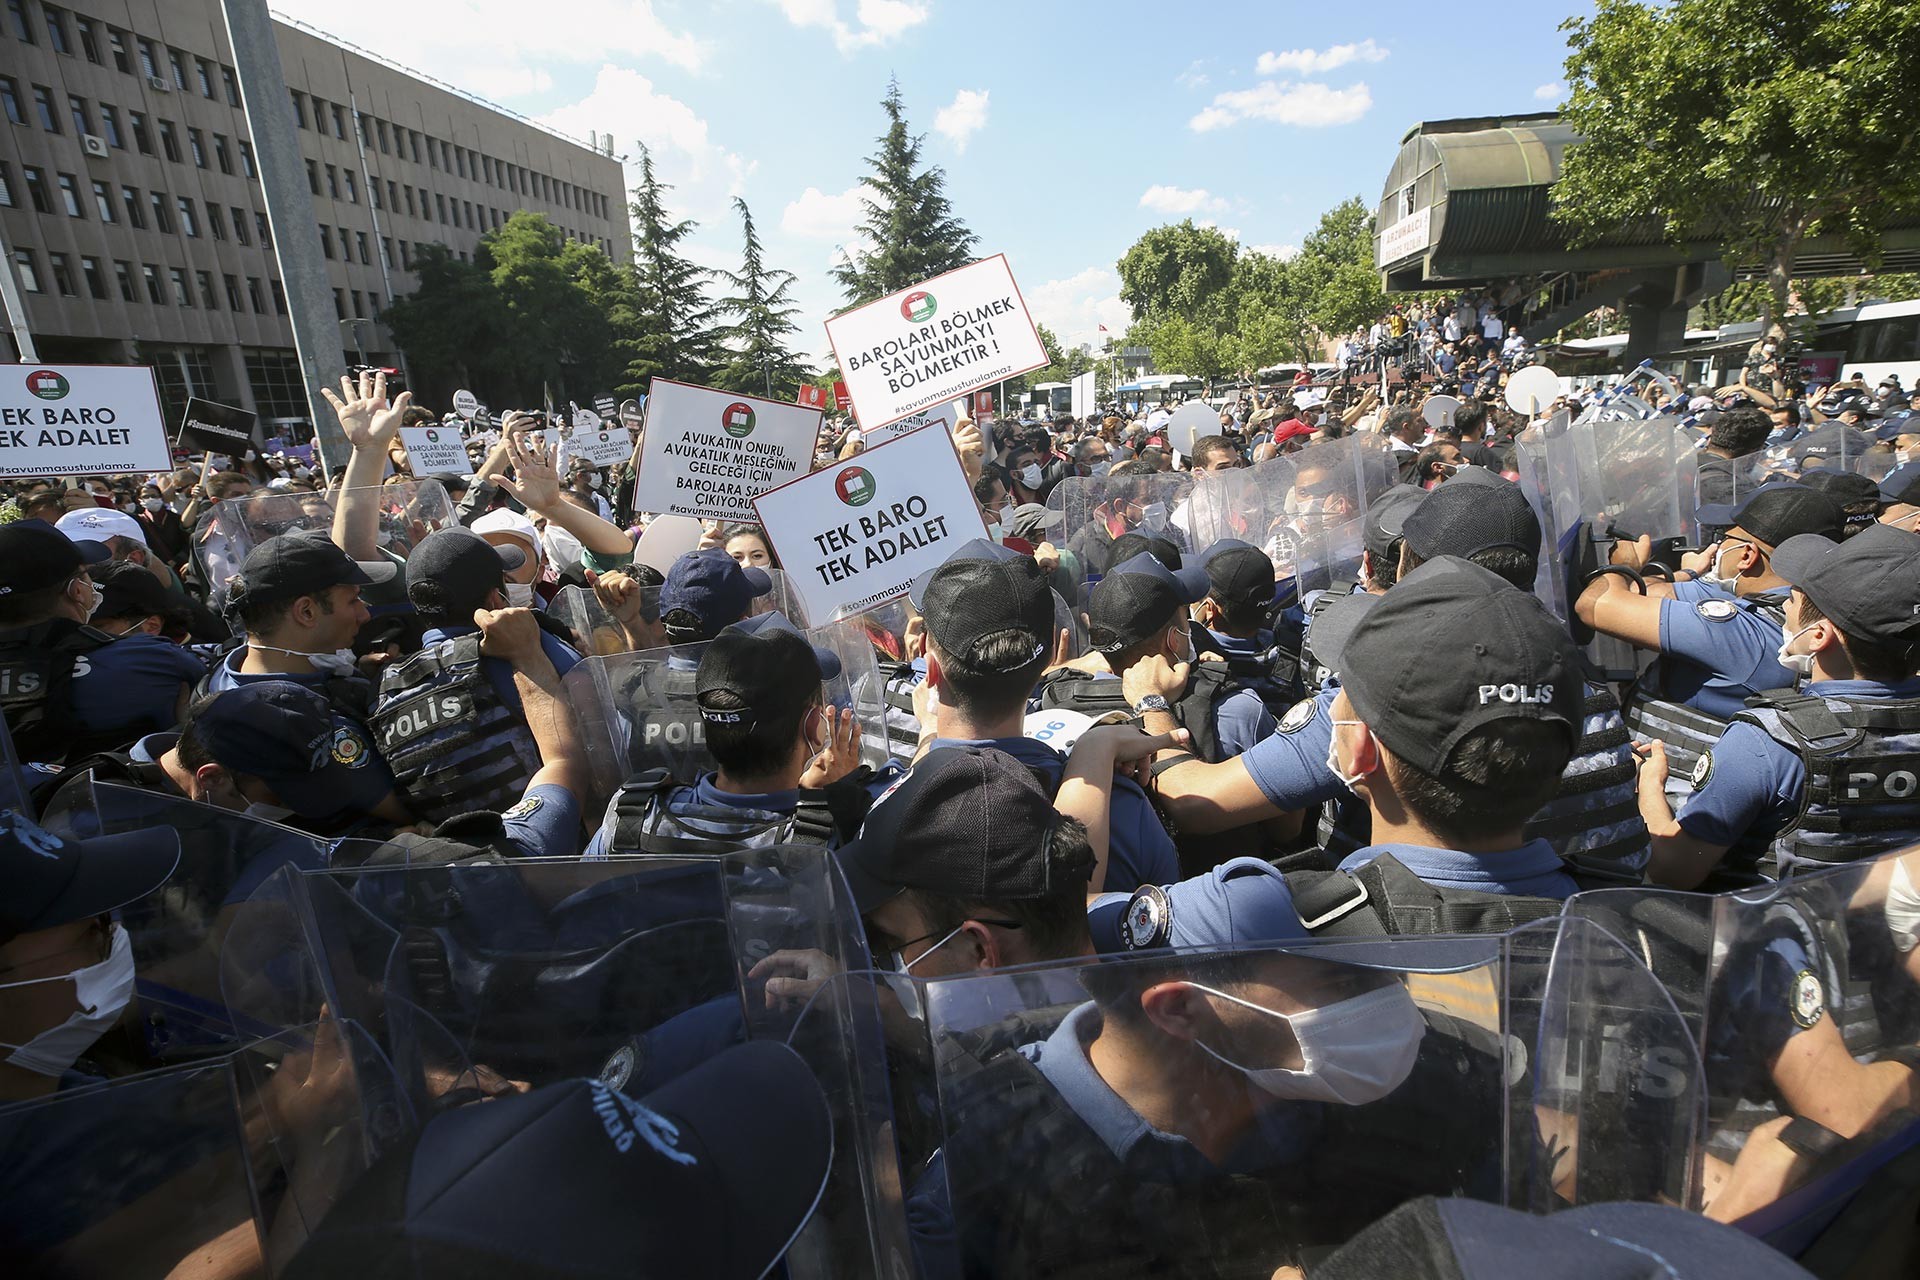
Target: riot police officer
[[1900, 497]]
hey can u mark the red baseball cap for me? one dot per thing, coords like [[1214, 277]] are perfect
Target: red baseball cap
[[1291, 430]]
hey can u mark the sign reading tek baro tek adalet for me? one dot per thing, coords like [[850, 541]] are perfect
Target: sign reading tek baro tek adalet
[[856, 535], [935, 342], [75, 419], [708, 453]]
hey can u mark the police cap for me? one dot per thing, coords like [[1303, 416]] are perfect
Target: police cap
[[54, 881], [1238, 572], [1387, 517], [756, 661], [1777, 511], [1464, 520], [304, 564], [981, 590], [34, 554], [453, 571], [1136, 599], [318, 764], [1868, 585], [712, 586]]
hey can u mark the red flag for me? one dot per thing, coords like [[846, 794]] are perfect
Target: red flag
[[841, 400], [982, 403], [1103, 328], [812, 397]]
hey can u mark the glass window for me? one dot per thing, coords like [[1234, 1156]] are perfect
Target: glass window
[[156, 294], [339, 122], [181, 296], [339, 306], [203, 75], [216, 221], [177, 64], [138, 120], [70, 195], [189, 223], [6, 185], [123, 275], [117, 43], [279, 388], [346, 245], [230, 86], [239, 224], [30, 271], [208, 299], [103, 202], [82, 118], [433, 153], [373, 192], [221, 156], [386, 252], [57, 34], [410, 209], [10, 96], [279, 300], [360, 239], [413, 143], [333, 182], [43, 104], [60, 267], [130, 197], [261, 225], [169, 143], [89, 38], [460, 160], [326, 242], [37, 189], [357, 313], [147, 63], [313, 176], [233, 292], [197, 147], [440, 203], [162, 220], [253, 295], [299, 107], [353, 195], [110, 124], [393, 196], [17, 11], [90, 268], [380, 127], [406, 260]]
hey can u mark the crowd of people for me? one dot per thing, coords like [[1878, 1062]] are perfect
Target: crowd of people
[[467, 874]]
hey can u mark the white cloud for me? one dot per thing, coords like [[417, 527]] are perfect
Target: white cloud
[[1280, 251], [1231, 233], [876, 22], [1193, 77], [512, 82], [1308, 106], [1076, 307], [816, 215], [962, 118], [1313, 62], [1165, 199], [1550, 92]]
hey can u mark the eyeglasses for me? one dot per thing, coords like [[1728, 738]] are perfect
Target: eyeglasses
[[878, 943]]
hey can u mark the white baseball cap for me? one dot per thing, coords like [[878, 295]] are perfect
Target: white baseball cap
[[506, 520], [98, 524]]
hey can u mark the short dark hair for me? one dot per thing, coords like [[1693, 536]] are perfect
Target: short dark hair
[[1871, 659], [1055, 926], [1206, 446], [979, 690], [1386, 568], [1240, 616], [1469, 418], [222, 482], [260, 617], [191, 747], [1495, 779], [990, 476], [1430, 457], [1511, 563], [761, 747], [1397, 418], [1135, 467], [1740, 431]]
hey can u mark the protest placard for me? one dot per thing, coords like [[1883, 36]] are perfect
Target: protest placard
[[600, 448], [811, 396], [707, 453], [465, 403], [73, 419], [435, 451], [222, 427], [935, 341], [842, 398], [854, 536], [631, 413], [947, 415], [585, 419], [605, 405]]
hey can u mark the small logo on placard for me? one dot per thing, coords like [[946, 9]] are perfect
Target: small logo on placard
[[48, 385], [433, 436], [855, 486], [738, 420], [918, 306]]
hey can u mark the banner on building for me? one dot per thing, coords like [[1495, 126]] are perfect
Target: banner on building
[[708, 453], [74, 419]]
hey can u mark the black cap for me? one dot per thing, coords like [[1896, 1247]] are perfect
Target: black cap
[[758, 661], [318, 763], [1849, 489], [1902, 485], [34, 554], [1831, 442], [1869, 585], [129, 590], [1238, 572], [1463, 520], [967, 822], [1504, 657], [54, 881], [303, 564], [453, 571], [1776, 511], [983, 589], [1137, 598], [711, 1175], [1128, 545], [712, 586], [1387, 517]]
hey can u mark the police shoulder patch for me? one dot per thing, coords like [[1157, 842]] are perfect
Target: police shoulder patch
[[1297, 717], [522, 811], [1703, 769], [349, 748], [1807, 1001], [619, 1068], [1148, 921], [1717, 610]]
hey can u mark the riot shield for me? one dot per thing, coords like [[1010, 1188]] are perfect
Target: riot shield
[[1311, 506], [1095, 510], [179, 1011], [409, 511], [1802, 998], [1729, 480], [782, 599], [580, 610]]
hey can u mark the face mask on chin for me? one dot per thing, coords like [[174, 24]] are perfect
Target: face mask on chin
[[1353, 1051], [102, 991], [340, 662], [1801, 664]]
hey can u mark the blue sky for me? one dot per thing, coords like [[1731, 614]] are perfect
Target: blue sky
[[1065, 130]]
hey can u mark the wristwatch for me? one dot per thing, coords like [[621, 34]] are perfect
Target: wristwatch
[[1152, 702]]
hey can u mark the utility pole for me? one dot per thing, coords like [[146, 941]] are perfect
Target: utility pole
[[16, 307], [283, 186]]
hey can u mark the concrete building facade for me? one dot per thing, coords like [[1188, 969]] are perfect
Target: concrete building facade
[[131, 207]]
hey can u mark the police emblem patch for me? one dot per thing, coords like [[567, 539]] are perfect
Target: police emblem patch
[[1703, 769], [522, 811], [619, 1068], [1807, 1001], [1148, 921], [348, 749], [1716, 610], [1297, 717]]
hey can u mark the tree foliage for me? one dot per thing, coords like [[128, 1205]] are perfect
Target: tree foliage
[[676, 334], [909, 226], [763, 308], [1180, 270], [1754, 124]]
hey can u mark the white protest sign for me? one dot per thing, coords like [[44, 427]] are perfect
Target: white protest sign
[[937, 341], [1189, 422], [707, 453], [666, 539], [1083, 393], [74, 419], [465, 402], [1439, 410], [854, 536], [1532, 389], [435, 451], [585, 420], [600, 448], [948, 415]]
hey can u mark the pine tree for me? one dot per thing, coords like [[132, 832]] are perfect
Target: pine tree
[[909, 221], [675, 334], [762, 362]]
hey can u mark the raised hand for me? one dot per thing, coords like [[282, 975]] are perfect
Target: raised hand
[[536, 481]]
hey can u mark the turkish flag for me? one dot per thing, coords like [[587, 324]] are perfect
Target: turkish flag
[[841, 400], [813, 397]]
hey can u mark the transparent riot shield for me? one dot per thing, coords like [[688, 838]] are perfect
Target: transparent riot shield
[[1720, 480], [782, 599], [409, 511], [580, 610], [1128, 1115], [179, 1012], [1096, 510], [1307, 511], [1803, 999]]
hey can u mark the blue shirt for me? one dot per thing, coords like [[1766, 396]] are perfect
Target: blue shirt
[[1290, 765], [546, 822], [228, 675], [704, 793], [1140, 850], [1716, 650], [499, 671], [133, 684], [1533, 870]]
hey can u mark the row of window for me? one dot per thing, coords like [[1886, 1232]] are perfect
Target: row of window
[[341, 185], [138, 206], [77, 35], [219, 155], [174, 286]]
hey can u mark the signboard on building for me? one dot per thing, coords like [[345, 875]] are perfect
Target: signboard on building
[[1406, 237]]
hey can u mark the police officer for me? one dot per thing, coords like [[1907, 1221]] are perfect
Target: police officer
[[1823, 774], [1858, 495], [1900, 497], [775, 743], [1232, 625], [1380, 534], [1717, 629], [450, 719]]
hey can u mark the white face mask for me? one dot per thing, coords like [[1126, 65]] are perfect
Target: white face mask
[[1030, 476], [1801, 664], [1099, 469], [1186, 652], [594, 483], [1713, 573], [1353, 1051], [94, 597], [340, 662], [519, 595], [154, 505], [1333, 756], [103, 991]]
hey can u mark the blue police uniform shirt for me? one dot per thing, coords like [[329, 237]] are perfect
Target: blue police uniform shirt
[[1290, 765], [704, 793], [1241, 900], [1533, 870], [499, 671], [1239, 720], [1754, 785], [545, 823], [1140, 850], [133, 684], [1716, 650], [228, 675]]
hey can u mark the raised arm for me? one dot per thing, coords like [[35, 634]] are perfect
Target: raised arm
[[369, 423], [536, 483]]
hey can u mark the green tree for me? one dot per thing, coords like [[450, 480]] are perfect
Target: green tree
[[1180, 269], [553, 328], [1753, 124], [452, 316], [763, 303], [1271, 321], [908, 220], [1334, 270], [1748, 300], [675, 334]]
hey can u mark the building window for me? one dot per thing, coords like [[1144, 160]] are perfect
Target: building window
[[357, 313], [468, 204], [380, 127], [169, 143], [215, 222], [353, 195], [460, 160], [208, 298], [196, 145], [37, 189], [253, 295], [110, 122], [57, 35], [326, 243], [333, 182], [141, 141], [103, 202], [221, 156], [176, 64], [156, 294], [82, 118], [410, 209], [280, 306], [6, 185], [61, 269], [123, 273], [246, 159], [406, 260], [373, 193], [43, 103], [230, 86], [313, 176], [162, 220], [233, 292], [339, 306], [339, 122], [279, 388], [70, 195], [346, 245], [10, 96], [23, 259], [386, 252], [239, 224], [440, 203], [299, 107], [413, 142], [261, 225], [90, 268], [117, 43], [360, 238], [181, 297], [393, 196], [130, 196], [203, 74], [17, 10], [189, 223], [433, 154], [147, 63], [89, 43]]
